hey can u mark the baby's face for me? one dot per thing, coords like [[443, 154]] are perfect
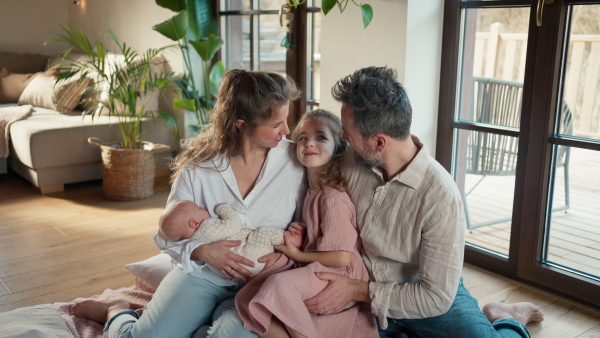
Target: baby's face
[[196, 216]]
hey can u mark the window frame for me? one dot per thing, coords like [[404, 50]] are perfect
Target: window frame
[[536, 140]]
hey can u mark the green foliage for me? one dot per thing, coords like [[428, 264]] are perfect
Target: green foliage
[[126, 82], [194, 28], [174, 28], [327, 6], [174, 5], [367, 14]]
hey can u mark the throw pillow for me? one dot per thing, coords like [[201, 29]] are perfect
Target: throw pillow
[[152, 270], [43, 91], [13, 84], [23, 63], [4, 72]]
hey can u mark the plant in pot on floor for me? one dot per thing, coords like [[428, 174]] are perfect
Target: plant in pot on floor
[[120, 86]]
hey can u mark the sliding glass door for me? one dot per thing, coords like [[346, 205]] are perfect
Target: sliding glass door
[[523, 137]]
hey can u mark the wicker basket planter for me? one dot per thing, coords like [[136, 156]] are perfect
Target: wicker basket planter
[[127, 174]]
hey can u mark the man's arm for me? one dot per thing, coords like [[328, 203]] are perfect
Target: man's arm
[[339, 292], [440, 265]]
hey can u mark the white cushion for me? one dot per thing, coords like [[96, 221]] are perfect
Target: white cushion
[[152, 270]]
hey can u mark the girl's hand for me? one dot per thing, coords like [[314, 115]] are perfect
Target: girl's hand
[[288, 247], [293, 238], [297, 228], [219, 256], [269, 259]]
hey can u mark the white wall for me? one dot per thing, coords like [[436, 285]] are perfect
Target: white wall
[[405, 35], [131, 20], [26, 25]]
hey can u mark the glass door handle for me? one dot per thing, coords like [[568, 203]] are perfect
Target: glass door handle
[[540, 9]]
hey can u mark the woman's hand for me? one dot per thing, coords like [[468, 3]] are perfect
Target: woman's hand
[[219, 256]]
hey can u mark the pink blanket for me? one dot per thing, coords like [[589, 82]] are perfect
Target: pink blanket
[[137, 295]]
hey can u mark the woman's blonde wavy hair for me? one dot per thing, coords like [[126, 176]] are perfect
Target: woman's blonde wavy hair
[[251, 96], [332, 174]]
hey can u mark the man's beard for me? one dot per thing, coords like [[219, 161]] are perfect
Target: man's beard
[[368, 163]]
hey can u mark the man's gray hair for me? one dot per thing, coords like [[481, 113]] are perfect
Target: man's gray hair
[[378, 101]]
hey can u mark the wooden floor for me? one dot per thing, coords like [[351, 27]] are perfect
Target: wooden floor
[[574, 234], [58, 247]]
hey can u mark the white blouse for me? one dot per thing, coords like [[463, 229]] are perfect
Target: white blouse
[[274, 201]]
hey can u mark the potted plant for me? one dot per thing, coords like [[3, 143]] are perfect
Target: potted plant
[[194, 28], [120, 86]]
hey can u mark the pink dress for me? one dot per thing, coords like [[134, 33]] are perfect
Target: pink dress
[[331, 226]]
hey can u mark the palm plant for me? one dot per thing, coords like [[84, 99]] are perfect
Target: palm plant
[[194, 29], [120, 86]]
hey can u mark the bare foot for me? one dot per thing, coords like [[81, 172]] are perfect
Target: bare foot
[[98, 310], [523, 312]]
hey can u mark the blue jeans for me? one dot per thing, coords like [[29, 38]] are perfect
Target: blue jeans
[[464, 319], [183, 306]]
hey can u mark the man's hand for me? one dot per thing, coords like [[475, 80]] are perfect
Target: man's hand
[[219, 256], [339, 292]]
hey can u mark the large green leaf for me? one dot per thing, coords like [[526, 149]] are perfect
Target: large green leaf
[[207, 47], [185, 104], [327, 5], [170, 121], [175, 28], [216, 73], [174, 5], [367, 14], [201, 20]]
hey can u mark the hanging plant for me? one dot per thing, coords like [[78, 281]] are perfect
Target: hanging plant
[[327, 6]]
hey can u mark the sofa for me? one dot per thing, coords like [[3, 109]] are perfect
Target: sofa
[[48, 147]]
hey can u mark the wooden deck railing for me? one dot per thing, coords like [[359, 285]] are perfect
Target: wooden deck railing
[[502, 55]]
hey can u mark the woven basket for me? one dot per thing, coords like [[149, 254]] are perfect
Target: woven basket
[[127, 174]]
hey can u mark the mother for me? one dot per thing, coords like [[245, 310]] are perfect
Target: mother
[[243, 160]]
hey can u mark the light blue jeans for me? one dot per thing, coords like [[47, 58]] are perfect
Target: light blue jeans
[[183, 306], [464, 319]]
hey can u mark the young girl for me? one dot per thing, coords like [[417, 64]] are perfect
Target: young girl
[[331, 245]]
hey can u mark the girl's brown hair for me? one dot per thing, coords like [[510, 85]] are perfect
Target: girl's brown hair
[[332, 174], [251, 96]]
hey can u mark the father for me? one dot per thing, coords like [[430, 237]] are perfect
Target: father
[[412, 225]]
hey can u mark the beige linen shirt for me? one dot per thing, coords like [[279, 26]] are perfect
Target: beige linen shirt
[[412, 229]]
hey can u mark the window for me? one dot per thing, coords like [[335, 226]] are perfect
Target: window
[[523, 138], [257, 37]]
